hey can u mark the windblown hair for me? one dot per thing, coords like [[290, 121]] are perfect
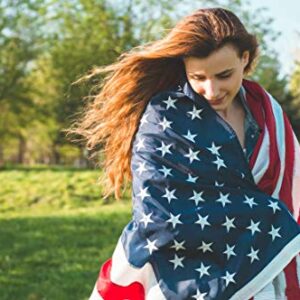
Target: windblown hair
[[111, 120]]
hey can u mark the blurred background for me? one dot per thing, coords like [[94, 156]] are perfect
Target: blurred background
[[55, 228]]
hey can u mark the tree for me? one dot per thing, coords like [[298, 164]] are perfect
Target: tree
[[20, 39], [45, 46], [295, 91]]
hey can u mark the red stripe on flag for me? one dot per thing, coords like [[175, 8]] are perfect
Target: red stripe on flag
[[111, 291], [292, 290], [257, 94], [269, 180], [287, 184]]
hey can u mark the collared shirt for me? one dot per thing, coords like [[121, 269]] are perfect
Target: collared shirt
[[251, 127]]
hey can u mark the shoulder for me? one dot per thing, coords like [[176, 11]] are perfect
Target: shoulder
[[258, 96], [258, 93], [165, 119], [168, 100], [166, 106], [253, 88]]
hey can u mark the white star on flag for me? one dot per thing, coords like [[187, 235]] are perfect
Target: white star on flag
[[254, 227], [146, 219], [217, 184], [141, 167], [174, 220], [166, 171], [170, 102], [274, 206], [165, 124], [151, 246], [205, 247], [202, 221], [229, 224], [253, 255], [169, 195], [177, 261], [223, 199], [143, 193], [192, 155], [229, 278], [178, 245], [219, 162], [190, 137], [197, 197], [195, 113], [164, 149], [199, 296], [140, 144], [214, 149], [229, 251], [192, 179], [250, 201], [203, 270], [144, 119], [274, 232]]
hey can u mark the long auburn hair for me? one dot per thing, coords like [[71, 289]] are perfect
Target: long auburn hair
[[110, 121]]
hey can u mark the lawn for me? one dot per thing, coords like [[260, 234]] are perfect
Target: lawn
[[55, 232]]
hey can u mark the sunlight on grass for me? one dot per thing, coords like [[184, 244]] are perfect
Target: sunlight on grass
[[52, 248]]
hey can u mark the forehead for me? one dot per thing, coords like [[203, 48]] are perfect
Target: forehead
[[218, 61]]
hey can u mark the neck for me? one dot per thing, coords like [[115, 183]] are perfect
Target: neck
[[231, 110]]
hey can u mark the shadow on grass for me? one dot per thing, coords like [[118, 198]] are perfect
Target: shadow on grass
[[55, 257]]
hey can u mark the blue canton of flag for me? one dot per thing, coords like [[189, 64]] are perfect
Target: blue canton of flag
[[199, 220]]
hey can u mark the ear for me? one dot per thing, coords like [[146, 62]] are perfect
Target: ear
[[245, 58]]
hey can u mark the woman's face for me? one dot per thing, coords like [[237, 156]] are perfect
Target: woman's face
[[217, 77]]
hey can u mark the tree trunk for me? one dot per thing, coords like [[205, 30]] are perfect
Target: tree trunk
[[1, 156], [55, 155], [21, 150]]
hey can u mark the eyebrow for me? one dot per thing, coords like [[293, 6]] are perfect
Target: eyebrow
[[221, 73]]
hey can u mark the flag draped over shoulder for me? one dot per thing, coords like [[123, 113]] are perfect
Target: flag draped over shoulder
[[206, 223]]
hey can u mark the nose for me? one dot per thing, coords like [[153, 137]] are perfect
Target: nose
[[211, 89]]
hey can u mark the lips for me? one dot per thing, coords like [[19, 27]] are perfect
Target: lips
[[217, 101]]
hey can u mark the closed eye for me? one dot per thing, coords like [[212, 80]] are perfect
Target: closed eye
[[224, 76], [199, 78], [220, 76]]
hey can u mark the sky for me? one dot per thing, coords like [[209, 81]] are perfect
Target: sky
[[286, 14]]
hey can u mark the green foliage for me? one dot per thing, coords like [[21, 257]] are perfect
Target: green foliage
[[45, 46], [295, 87], [44, 190]]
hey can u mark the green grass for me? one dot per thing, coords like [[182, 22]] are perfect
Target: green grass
[[53, 248]]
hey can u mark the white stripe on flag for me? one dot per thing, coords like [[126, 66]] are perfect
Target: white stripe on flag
[[123, 274], [95, 295], [267, 293], [296, 180], [280, 141], [280, 285], [263, 159]]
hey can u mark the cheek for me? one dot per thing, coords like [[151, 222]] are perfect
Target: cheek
[[197, 86], [234, 83]]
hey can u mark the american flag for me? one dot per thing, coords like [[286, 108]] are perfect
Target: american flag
[[208, 224]]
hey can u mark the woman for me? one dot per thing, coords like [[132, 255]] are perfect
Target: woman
[[214, 165]]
